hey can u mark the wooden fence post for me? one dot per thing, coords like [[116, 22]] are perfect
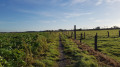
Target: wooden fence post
[[119, 33], [108, 33], [84, 35], [96, 42], [81, 38], [74, 31], [81, 35]]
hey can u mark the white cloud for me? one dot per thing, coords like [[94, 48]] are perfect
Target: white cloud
[[41, 21], [99, 2], [36, 12], [31, 1], [72, 2], [77, 1], [64, 4], [104, 21], [112, 1], [100, 21], [91, 18], [60, 15], [55, 1], [108, 21], [106, 1], [38, 2], [71, 15], [51, 21]]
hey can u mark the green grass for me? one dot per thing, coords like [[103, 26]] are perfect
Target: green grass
[[41, 48], [77, 57], [107, 45]]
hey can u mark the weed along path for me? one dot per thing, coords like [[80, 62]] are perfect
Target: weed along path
[[61, 62], [102, 59]]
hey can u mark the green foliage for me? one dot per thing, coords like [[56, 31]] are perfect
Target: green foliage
[[28, 49]]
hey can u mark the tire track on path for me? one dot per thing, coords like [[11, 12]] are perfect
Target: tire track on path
[[61, 62]]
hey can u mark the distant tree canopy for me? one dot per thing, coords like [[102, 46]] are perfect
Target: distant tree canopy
[[97, 28], [80, 29], [115, 27], [60, 29]]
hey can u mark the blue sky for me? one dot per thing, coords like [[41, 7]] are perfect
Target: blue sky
[[36, 15]]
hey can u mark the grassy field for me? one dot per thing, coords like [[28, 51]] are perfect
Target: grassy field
[[76, 57], [107, 45], [41, 49]]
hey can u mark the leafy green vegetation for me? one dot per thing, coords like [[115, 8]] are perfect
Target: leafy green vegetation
[[29, 49], [41, 49]]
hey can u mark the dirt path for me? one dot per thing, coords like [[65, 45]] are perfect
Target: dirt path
[[102, 59], [61, 62]]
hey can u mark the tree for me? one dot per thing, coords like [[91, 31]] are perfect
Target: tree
[[115, 27], [80, 29], [97, 28], [60, 29]]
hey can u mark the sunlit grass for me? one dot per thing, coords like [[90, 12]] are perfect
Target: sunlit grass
[[107, 45]]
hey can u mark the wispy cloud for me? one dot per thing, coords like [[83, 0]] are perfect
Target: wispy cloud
[[38, 2], [108, 21], [91, 18], [35, 12], [99, 2], [106, 1], [59, 15], [72, 15], [102, 21], [30, 1], [48, 21], [73, 2], [112, 1]]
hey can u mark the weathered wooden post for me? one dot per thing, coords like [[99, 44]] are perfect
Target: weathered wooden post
[[81, 35], [119, 33], [96, 42], [71, 34], [108, 33], [84, 35], [81, 38], [74, 31]]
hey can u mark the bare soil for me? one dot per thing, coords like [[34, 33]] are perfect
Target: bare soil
[[61, 62]]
